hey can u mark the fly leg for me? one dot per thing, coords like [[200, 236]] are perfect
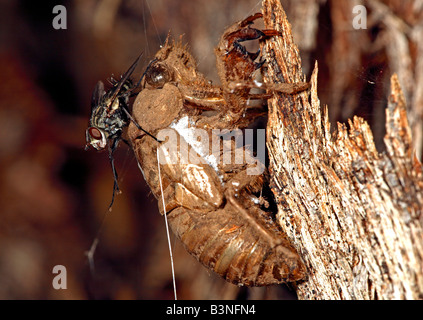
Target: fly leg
[[112, 148], [138, 126]]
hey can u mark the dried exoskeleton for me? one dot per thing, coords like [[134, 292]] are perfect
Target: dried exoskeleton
[[207, 181]]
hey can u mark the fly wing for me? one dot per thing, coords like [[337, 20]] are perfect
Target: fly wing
[[98, 93], [123, 79]]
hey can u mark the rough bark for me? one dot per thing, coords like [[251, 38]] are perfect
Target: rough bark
[[354, 214]]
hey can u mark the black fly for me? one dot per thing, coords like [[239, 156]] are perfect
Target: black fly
[[110, 115]]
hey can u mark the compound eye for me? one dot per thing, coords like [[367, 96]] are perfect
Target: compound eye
[[157, 75], [94, 133], [96, 138]]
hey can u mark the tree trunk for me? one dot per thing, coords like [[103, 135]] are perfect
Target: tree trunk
[[354, 214]]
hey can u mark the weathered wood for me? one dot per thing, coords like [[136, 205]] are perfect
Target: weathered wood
[[354, 214], [401, 37]]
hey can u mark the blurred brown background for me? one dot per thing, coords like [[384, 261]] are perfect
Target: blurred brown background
[[54, 195]]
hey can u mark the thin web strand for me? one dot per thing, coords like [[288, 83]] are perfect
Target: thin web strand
[[167, 227]]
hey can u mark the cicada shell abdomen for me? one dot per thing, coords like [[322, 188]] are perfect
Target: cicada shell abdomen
[[235, 249]]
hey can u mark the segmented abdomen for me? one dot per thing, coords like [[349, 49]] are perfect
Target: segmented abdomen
[[235, 249]]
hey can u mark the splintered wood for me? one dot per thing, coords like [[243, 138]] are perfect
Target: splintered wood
[[353, 214]]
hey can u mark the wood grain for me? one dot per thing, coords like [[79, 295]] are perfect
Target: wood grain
[[354, 214]]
